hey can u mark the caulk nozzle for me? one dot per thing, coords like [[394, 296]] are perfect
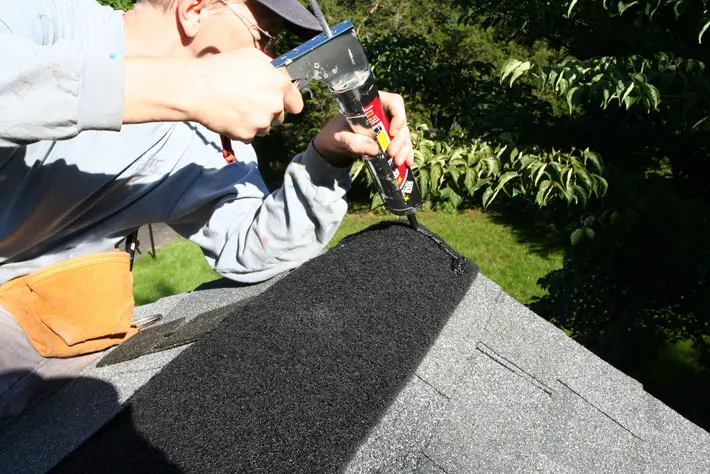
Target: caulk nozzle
[[413, 221]]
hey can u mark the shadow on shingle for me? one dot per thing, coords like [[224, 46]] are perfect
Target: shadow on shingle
[[295, 380]]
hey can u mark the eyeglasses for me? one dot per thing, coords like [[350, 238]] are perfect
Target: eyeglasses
[[267, 41]]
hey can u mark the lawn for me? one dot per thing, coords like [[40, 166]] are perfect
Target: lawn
[[513, 262]]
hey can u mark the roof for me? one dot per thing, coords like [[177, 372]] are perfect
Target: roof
[[436, 373]]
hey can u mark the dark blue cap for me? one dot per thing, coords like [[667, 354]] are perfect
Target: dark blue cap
[[294, 12]]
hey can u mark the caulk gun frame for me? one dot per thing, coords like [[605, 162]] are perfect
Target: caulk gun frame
[[325, 59]]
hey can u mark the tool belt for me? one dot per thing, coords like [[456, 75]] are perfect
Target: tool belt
[[74, 307]]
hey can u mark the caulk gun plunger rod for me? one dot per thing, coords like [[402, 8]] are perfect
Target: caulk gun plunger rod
[[321, 18]]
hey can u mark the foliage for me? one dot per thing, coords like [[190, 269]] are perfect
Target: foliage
[[637, 274], [633, 82], [649, 9], [119, 4], [451, 175]]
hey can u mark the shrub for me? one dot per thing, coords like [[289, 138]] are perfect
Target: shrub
[[452, 175]]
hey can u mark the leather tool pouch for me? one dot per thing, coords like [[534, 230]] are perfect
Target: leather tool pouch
[[74, 307]]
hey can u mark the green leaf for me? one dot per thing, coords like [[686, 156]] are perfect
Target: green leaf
[[506, 177], [540, 173], [492, 165], [519, 71], [356, 169], [542, 193], [629, 101], [435, 177], [603, 186], [450, 195], [470, 179], [584, 176], [615, 219], [606, 95], [589, 232], [487, 197], [702, 32], [424, 183], [594, 158], [654, 94], [579, 195], [625, 6], [479, 185], [508, 68], [376, 201], [627, 92], [577, 236], [570, 98], [679, 8], [700, 122]]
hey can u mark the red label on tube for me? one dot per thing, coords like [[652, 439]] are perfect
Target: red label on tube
[[381, 126]]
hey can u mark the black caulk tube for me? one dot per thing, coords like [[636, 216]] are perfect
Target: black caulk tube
[[359, 102]]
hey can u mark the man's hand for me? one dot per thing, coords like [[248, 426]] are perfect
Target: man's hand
[[238, 94], [339, 145]]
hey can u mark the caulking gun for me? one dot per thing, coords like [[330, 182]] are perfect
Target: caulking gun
[[336, 58]]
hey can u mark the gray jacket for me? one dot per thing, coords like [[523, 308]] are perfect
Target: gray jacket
[[73, 181]]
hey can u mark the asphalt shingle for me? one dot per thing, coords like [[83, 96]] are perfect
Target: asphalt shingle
[[533, 345], [284, 387], [359, 378], [674, 445], [396, 443], [444, 364], [580, 438], [495, 422]]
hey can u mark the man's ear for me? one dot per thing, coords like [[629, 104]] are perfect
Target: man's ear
[[188, 15]]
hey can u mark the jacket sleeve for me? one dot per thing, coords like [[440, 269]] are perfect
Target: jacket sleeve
[[52, 88], [251, 236]]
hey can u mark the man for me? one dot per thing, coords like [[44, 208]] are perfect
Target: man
[[107, 123]]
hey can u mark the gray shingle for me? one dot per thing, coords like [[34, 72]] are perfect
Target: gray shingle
[[162, 306], [395, 444], [500, 391], [427, 466], [445, 362], [674, 445], [494, 423], [546, 353], [71, 415], [580, 438], [202, 301]]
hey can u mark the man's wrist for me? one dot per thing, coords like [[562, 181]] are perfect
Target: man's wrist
[[156, 90]]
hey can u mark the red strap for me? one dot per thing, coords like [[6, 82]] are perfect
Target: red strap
[[227, 151]]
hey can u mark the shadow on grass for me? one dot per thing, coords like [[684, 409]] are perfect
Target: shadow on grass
[[532, 229], [680, 380]]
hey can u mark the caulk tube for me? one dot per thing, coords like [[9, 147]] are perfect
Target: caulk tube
[[359, 102]]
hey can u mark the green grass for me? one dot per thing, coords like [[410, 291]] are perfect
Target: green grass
[[501, 254], [177, 267]]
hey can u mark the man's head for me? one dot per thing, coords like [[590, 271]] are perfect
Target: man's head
[[213, 26]]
